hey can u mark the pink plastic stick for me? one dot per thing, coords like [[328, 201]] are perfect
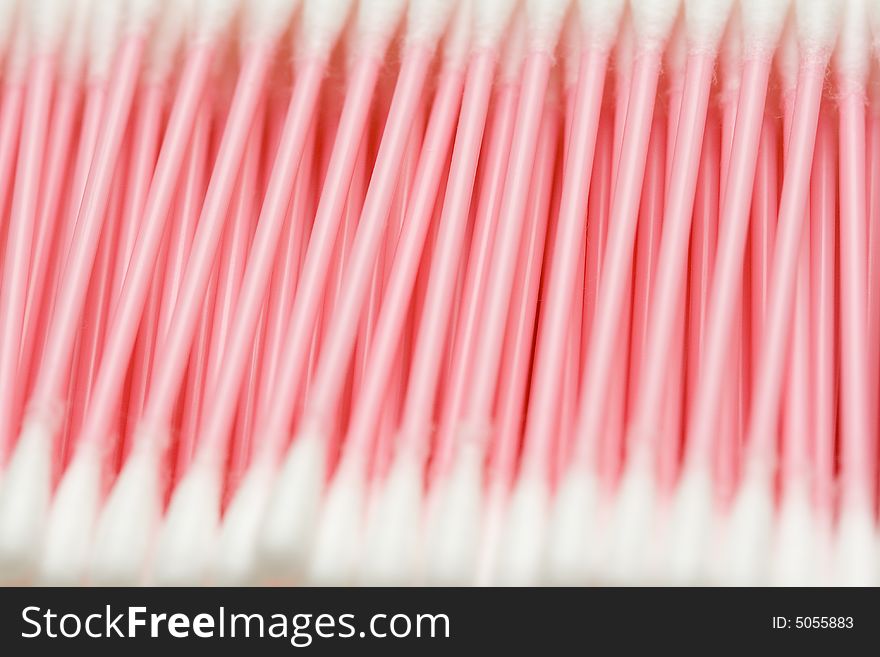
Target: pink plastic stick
[[623, 74], [797, 427], [73, 284], [857, 448], [189, 404], [725, 290], [484, 358], [174, 347], [379, 442], [60, 147], [675, 89], [470, 306], [567, 249], [286, 273], [123, 327], [247, 408], [242, 433], [731, 422], [97, 304], [236, 352], [572, 367], [231, 265], [768, 377], [188, 202], [172, 261], [144, 151], [274, 421], [231, 259], [677, 216], [646, 252], [339, 341], [10, 132], [194, 393], [669, 446], [873, 265], [612, 442], [384, 258], [141, 361], [513, 385], [342, 250], [823, 247], [795, 453], [702, 252], [598, 210], [398, 294], [763, 230], [617, 263], [23, 217], [601, 192]]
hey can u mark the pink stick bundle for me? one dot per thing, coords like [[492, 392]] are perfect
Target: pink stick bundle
[[451, 292]]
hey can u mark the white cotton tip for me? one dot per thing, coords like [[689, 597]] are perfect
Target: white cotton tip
[[17, 56], [491, 533], [188, 536], [572, 523], [491, 20], [730, 58], [514, 51], [455, 521], [322, 23], [600, 21], [76, 42], [286, 535], [794, 561], [788, 62], [107, 17], [24, 500], [544, 20], [624, 51], [128, 523], [235, 561], [750, 528], [72, 518], [818, 23], [394, 530], [9, 10], [632, 514], [762, 24], [49, 22], [874, 18], [377, 21], [823, 550], [653, 21], [706, 21], [339, 532], [267, 20], [675, 57], [457, 42], [653, 569], [142, 14], [426, 21], [522, 552], [571, 47], [213, 18], [690, 526], [171, 26], [855, 557], [853, 54]]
